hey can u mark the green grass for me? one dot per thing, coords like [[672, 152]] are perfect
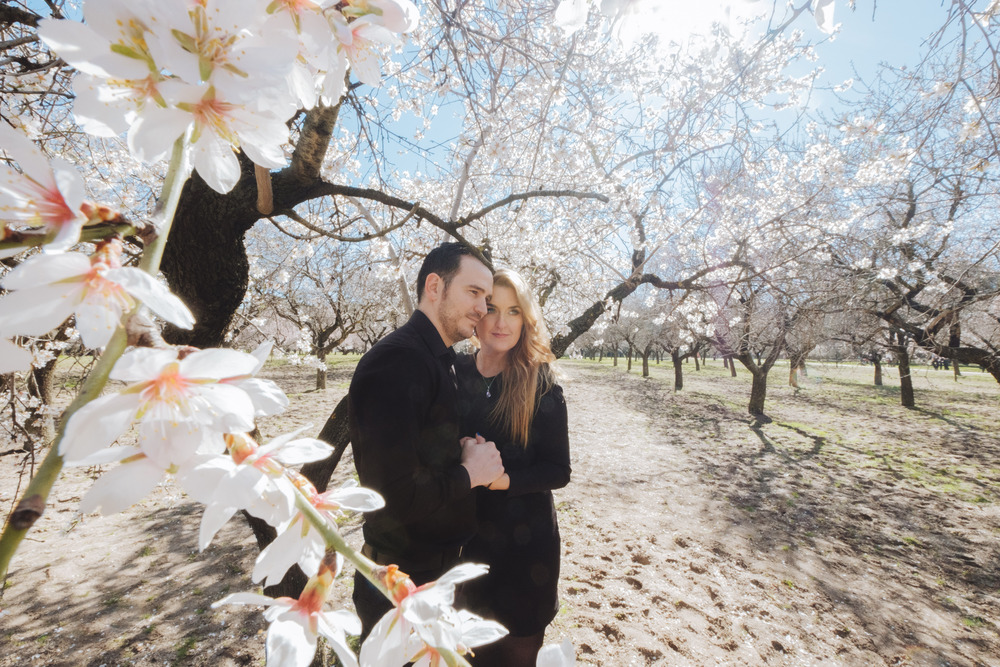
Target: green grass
[[973, 621], [181, 650]]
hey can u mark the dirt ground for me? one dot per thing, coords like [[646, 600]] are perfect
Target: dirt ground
[[847, 531]]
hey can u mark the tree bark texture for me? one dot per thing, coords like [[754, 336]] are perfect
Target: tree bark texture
[[758, 392], [675, 357], [906, 397]]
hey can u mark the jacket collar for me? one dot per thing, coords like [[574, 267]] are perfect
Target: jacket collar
[[429, 334]]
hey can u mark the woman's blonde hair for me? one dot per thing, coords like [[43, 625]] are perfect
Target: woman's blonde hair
[[528, 376]]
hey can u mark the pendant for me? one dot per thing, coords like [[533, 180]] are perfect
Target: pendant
[[488, 392]]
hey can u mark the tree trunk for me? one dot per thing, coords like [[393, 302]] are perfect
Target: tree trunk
[[675, 357], [793, 375], [906, 397], [336, 433], [206, 264], [321, 372], [878, 371], [645, 363], [614, 353], [758, 392], [697, 365], [40, 381], [628, 369], [732, 365]]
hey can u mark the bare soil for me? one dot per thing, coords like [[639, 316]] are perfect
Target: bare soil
[[846, 531]]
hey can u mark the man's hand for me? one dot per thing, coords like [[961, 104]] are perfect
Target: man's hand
[[482, 460]]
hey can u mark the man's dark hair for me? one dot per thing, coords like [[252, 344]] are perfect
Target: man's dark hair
[[445, 261]]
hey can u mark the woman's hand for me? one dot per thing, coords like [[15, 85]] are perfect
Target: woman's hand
[[501, 483]]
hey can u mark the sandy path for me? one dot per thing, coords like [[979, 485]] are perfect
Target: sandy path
[[689, 538]]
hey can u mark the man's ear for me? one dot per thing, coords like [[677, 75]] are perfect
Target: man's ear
[[433, 286]]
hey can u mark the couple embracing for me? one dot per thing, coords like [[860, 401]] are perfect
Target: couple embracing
[[465, 450]]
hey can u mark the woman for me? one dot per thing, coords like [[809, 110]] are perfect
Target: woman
[[507, 394]]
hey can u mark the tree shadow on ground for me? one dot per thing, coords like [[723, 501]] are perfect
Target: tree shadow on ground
[[869, 502]]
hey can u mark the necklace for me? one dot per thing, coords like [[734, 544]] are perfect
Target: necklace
[[490, 384]]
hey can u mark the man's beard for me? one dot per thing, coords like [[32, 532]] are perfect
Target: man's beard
[[451, 321]]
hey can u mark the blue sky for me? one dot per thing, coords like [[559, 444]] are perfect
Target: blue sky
[[895, 35]]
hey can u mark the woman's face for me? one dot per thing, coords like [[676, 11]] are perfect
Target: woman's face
[[501, 327]]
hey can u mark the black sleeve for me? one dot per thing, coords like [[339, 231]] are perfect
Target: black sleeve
[[550, 438], [389, 399]]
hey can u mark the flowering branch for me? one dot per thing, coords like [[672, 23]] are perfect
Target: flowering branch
[[33, 501]]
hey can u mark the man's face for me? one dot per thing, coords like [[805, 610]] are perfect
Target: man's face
[[464, 301]]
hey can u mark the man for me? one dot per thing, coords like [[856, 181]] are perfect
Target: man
[[404, 431]]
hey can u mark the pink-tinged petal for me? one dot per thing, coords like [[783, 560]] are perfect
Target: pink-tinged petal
[[42, 270], [345, 621], [249, 598], [557, 655], [106, 456], [216, 163], [142, 363], [366, 64], [333, 625], [460, 573], [214, 518], [386, 645], [67, 236], [70, 183], [101, 110], [154, 294], [97, 320], [154, 132], [231, 407], [97, 424], [302, 451], [397, 15], [358, 499], [267, 154], [244, 487], [279, 555], [289, 641], [313, 549], [335, 80], [122, 487], [278, 442], [29, 157], [261, 353], [13, 358], [302, 87], [80, 46], [171, 442], [267, 397], [477, 631], [217, 363], [202, 474], [33, 312]]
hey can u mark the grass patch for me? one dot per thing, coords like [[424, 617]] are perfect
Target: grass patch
[[181, 650]]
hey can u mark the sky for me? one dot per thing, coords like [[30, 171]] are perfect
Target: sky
[[894, 35]]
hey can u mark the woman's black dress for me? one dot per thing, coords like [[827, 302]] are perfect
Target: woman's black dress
[[517, 534]]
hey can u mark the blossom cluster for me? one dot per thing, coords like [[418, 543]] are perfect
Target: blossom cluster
[[228, 74]]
